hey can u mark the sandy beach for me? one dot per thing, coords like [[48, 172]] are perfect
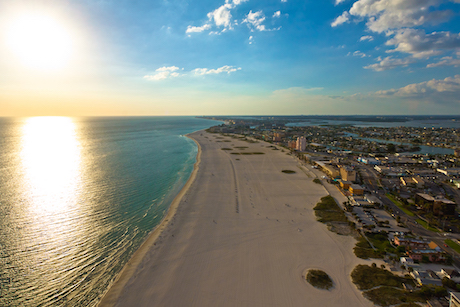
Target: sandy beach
[[241, 233]]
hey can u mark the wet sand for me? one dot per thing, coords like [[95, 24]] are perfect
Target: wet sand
[[242, 233]]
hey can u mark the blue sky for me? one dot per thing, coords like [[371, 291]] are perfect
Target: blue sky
[[229, 57]]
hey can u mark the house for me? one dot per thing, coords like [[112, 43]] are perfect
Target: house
[[438, 205], [454, 300]]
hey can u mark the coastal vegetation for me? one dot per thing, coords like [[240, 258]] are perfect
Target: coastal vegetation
[[364, 250], [288, 171], [384, 288], [248, 153], [226, 148], [316, 180], [327, 210], [319, 279]]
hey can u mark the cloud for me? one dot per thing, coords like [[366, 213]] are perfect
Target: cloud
[[192, 29], [383, 15], [389, 63], [446, 61], [255, 19], [222, 16], [284, 1], [445, 89], [224, 69], [421, 45], [345, 17], [359, 54], [366, 38], [163, 73], [276, 14], [337, 2]]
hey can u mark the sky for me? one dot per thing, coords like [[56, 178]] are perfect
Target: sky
[[229, 57]]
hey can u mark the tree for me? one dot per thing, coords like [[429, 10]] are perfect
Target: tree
[[391, 148]]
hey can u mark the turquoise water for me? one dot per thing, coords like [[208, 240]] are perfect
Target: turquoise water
[[79, 195]]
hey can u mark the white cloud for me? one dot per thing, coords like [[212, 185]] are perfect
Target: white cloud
[[383, 15], [389, 63], [284, 1], [422, 45], [222, 15], [366, 38], [337, 2], [251, 39], [224, 69], [345, 17], [277, 14], [359, 54], [255, 19], [192, 29], [163, 73], [394, 14], [449, 87], [446, 61]]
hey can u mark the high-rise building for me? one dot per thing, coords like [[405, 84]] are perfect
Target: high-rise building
[[301, 143]]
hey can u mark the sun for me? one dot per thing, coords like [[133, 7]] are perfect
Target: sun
[[40, 41]]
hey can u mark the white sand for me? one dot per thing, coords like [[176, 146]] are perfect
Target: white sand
[[244, 234]]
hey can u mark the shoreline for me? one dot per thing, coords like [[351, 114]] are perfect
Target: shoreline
[[123, 277]]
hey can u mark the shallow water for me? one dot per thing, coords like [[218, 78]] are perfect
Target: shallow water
[[79, 195]]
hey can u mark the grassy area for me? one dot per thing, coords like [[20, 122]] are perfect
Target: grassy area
[[363, 250], [366, 277], [226, 149], [248, 153], [316, 180], [387, 296], [426, 226], [288, 171], [400, 206], [453, 245], [319, 279], [327, 210]]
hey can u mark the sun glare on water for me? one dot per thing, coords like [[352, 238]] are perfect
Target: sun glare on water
[[39, 41]]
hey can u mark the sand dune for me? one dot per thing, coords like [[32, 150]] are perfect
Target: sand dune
[[243, 235]]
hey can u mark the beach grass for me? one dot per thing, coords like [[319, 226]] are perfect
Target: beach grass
[[364, 250], [327, 210], [319, 279], [288, 171], [367, 277]]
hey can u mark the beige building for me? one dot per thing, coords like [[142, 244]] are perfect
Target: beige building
[[301, 143], [347, 173]]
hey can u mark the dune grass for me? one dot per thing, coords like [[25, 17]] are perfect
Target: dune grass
[[319, 279]]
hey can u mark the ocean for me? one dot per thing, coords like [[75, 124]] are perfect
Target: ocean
[[78, 196]]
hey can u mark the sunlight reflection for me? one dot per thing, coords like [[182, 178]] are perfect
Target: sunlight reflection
[[51, 160]]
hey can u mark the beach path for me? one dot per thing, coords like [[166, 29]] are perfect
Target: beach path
[[244, 234]]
